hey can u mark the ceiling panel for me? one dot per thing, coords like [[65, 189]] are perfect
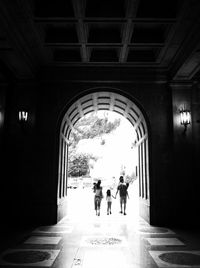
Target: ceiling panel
[[53, 8], [138, 33]]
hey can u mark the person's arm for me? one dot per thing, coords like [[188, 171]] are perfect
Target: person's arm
[[94, 188], [112, 196], [127, 194], [117, 191], [101, 193]]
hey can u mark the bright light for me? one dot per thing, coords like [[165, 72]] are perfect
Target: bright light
[[185, 117], [23, 116], [116, 154], [1, 118]]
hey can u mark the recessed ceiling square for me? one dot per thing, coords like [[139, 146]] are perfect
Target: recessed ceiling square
[[61, 34], [67, 55], [104, 55], [142, 55], [104, 33], [149, 33], [105, 8], [157, 9], [53, 8]]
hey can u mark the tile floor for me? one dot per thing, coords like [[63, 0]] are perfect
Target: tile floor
[[115, 240]]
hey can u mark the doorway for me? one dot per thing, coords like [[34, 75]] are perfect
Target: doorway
[[117, 103]]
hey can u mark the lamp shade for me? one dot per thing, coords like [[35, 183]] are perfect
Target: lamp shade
[[23, 116], [185, 117]]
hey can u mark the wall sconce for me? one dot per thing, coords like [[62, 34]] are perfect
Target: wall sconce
[[1, 117], [185, 118], [23, 116]]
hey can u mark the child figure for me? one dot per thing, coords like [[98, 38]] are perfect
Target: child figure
[[109, 201]]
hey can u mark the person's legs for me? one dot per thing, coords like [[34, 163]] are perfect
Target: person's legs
[[121, 201], [107, 208], [124, 205], [110, 207], [99, 206], [95, 205]]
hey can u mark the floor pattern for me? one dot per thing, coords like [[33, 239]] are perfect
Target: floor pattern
[[175, 259], [43, 240], [165, 242], [113, 241], [83, 240], [29, 257]]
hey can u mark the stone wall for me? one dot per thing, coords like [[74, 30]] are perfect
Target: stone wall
[[29, 153]]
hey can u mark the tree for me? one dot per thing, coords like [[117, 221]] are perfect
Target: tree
[[79, 164], [87, 128], [91, 127]]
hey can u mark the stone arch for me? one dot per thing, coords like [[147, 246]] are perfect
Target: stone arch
[[123, 105]]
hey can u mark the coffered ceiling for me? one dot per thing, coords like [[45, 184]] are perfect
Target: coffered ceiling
[[151, 34]]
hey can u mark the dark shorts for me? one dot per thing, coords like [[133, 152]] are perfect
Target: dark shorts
[[123, 199]]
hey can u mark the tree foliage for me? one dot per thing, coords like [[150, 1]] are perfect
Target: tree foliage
[[87, 128], [91, 127], [79, 164]]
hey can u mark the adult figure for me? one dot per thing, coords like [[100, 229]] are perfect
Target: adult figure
[[98, 197], [123, 193]]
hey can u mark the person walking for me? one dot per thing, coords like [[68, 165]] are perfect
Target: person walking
[[109, 201], [122, 189], [98, 197]]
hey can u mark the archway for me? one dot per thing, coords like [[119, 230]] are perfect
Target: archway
[[108, 101]]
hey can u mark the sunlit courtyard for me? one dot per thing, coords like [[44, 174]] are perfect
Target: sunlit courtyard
[[81, 203], [109, 153]]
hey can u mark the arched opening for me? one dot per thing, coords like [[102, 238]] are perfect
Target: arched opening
[[107, 101]]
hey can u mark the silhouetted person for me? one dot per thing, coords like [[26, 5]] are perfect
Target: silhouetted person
[[122, 189], [109, 201], [98, 197]]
